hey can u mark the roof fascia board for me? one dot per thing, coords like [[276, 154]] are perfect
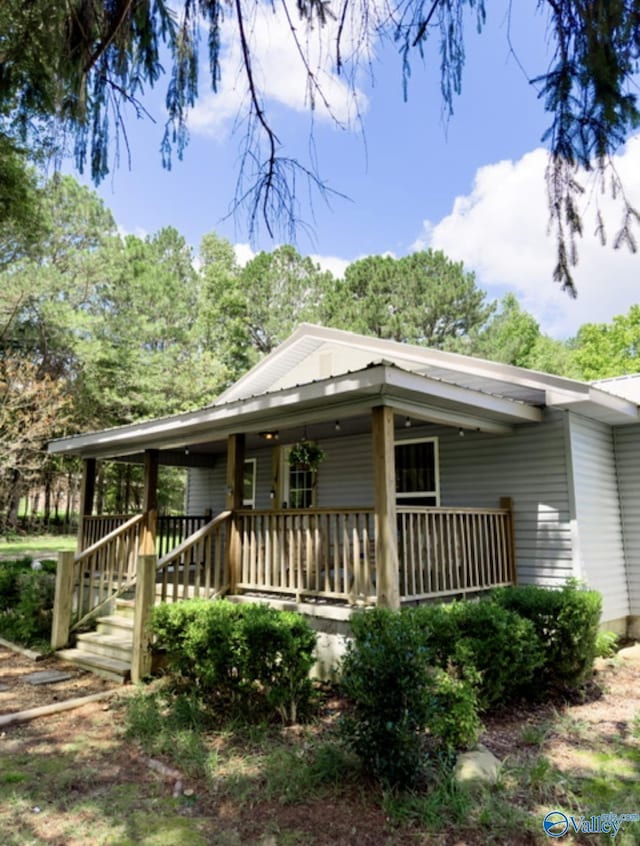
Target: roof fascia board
[[361, 389], [618, 405], [442, 417], [189, 428], [467, 396]]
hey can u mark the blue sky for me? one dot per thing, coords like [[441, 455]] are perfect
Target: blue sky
[[473, 188]]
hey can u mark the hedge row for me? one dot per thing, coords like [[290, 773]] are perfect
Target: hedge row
[[423, 676], [248, 659]]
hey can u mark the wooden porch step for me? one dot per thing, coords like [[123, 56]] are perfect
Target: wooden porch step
[[125, 607], [117, 646], [107, 668], [115, 624]]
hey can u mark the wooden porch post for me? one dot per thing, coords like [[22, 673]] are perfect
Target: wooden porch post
[[150, 503], [145, 589], [63, 602], [384, 475], [507, 502], [235, 474], [87, 493]]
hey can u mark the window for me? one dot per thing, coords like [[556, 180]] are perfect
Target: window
[[299, 488], [417, 477], [249, 483]]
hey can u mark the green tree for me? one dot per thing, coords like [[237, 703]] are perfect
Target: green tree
[[33, 408], [513, 336], [509, 336], [80, 64], [252, 309], [222, 310], [44, 294], [282, 289], [609, 349], [423, 298], [143, 356]]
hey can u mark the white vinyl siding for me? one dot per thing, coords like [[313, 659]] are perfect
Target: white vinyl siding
[[598, 518], [345, 477], [206, 487], [529, 466], [627, 448]]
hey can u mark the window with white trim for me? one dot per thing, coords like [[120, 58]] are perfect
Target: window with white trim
[[299, 483], [249, 483], [417, 474]]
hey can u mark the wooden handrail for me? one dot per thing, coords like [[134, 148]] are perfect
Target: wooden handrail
[[198, 564], [187, 543], [113, 534], [101, 578], [247, 512]]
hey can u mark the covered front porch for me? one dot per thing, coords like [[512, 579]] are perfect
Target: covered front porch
[[387, 519]]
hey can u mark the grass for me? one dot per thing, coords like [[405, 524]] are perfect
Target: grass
[[258, 765], [31, 544], [268, 786]]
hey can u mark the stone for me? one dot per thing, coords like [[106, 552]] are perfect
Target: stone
[[630, 653], [478, 766], [47, 677], [3, 687]]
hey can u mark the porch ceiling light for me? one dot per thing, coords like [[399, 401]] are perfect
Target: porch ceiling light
[[407, 423], [269, 436]]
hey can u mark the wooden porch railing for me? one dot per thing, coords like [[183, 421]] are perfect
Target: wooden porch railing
[[106, 568], [318, 552], [445, 551], [321, 552], [171, 529], [198, 565]]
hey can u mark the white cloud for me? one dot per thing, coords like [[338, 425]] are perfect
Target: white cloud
[[279, 72], [138, 231], [333, 264], [244, 253], [499, 230]]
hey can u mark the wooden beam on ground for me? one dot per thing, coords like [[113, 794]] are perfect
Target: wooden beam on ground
[[384, 474]]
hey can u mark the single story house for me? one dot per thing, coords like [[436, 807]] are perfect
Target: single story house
[[440, 475]]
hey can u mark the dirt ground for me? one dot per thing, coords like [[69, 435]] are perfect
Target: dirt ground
[[610, 708], [16, 694]]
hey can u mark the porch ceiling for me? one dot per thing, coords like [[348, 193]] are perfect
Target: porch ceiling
[[341, 397]]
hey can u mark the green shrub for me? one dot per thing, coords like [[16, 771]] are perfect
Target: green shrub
[[607, 644], [566, 622], [399, 700], [453, 711], [26, 603], [247, 657], [9, 573], [490, 646]]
